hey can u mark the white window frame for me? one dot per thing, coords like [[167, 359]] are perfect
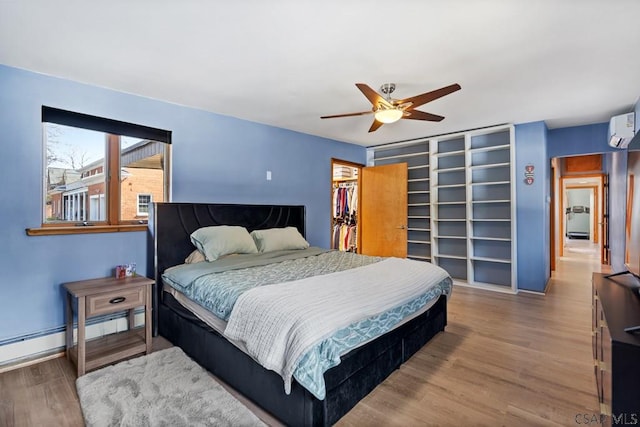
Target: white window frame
[[138, 212]]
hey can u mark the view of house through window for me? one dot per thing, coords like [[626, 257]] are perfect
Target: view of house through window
[[77, 169], [143, 204]]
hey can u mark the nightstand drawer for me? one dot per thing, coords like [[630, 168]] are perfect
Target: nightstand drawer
[[115, 301]]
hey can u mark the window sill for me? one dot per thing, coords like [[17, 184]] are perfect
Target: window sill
[[90, 229]]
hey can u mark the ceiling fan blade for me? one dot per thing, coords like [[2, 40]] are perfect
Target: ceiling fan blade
[[421, 115], [373, 96], [375, 125], [421, 99], [347, 115]]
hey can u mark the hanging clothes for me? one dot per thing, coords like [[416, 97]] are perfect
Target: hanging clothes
[[345, 202]]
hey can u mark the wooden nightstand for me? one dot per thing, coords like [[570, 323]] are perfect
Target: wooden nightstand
[[103, 296]]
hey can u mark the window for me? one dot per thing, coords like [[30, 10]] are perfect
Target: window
[[100, 171], [144, 200]]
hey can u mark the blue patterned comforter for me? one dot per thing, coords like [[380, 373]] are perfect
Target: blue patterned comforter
[[217, 285]]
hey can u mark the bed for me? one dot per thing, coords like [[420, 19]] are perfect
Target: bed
[[359, 371]]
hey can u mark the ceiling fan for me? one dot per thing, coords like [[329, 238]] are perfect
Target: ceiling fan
[[389, 110]]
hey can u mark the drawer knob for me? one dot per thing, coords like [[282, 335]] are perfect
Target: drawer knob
[[117, 300]]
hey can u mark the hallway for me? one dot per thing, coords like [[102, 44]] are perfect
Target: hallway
[[581, 250]]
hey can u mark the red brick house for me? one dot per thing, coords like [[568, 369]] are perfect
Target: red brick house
[[79, 195]]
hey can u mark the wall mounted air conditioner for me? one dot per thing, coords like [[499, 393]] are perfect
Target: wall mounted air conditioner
[[621, 130]]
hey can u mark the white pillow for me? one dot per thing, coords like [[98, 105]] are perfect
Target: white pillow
[[217, 241], [194, 257], [275, 239]]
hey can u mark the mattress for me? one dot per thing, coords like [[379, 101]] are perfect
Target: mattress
[[210, 291]]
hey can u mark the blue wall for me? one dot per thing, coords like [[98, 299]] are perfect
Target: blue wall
[[579, 140], [532, 206], [215, 159]]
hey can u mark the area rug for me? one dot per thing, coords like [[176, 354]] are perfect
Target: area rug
[[165, 388]]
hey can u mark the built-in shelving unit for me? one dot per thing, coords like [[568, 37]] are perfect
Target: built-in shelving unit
[[416, 155], [491, 208], [449, 199], [461, 204]]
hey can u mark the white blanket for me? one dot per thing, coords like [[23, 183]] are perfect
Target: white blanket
[[279, 323]]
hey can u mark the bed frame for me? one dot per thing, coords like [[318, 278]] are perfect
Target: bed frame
[[360, 371]]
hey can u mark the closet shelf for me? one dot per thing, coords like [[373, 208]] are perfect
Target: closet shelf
[[419, 257], [492, 148], [441, 170], [491, 219], [449, 153], [490, 183], [418, 216], [451, 203], [418, 229], [451, 220], [450, 256], [488, 259], [451, 186], [420, 242], [451, 237], [495, 239], [402, 156], [489, 166], [417, 167], [418, 192], [491, 201], [417, 204], [418, 180]]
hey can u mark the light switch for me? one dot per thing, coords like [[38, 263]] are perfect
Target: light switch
[[268, 175]]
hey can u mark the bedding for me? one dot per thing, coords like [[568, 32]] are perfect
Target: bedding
[[217, 241], [230, 288], [217, 285], [276, 239], [279, 325], [194, 257]]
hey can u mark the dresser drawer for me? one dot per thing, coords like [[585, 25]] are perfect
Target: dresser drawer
[[115, 301]]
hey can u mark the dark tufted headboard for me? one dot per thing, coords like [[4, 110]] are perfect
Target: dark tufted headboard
[[171, 224]]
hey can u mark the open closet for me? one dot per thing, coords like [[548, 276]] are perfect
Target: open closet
[[369, 208], [344, 199]]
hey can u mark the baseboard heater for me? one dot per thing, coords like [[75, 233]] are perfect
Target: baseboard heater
[[40, 344]]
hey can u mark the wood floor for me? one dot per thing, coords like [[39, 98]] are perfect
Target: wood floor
[[504, 360]]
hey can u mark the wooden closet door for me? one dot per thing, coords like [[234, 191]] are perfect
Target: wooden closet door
[[383, 210]]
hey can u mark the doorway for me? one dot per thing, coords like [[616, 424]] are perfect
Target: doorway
[[579, 206], [344, 205], [369, 203], [580, 210], [580, 220]]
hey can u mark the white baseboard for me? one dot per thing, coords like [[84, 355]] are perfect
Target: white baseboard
[[18, 351]]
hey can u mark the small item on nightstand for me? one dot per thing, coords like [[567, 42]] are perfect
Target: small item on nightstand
[[120, 272], [125, 270]]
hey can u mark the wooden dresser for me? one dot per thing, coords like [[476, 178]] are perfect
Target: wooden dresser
[[616, 353]]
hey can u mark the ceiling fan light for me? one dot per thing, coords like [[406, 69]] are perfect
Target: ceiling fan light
[[388, 115]]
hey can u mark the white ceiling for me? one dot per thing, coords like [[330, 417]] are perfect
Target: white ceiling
[[287, 62]]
